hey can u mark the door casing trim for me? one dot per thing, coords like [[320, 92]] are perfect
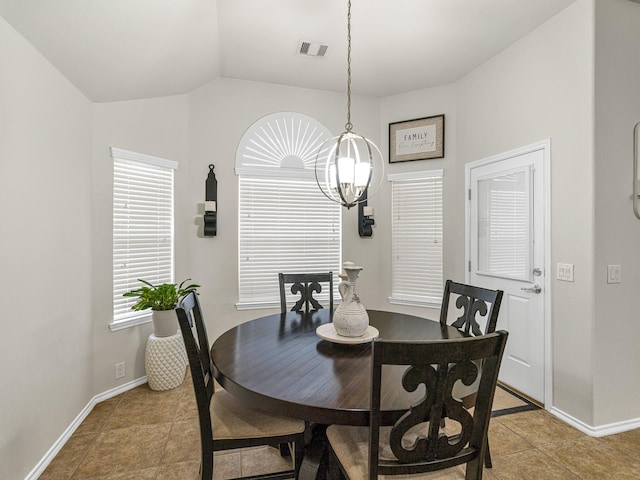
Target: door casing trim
[[545, 147]]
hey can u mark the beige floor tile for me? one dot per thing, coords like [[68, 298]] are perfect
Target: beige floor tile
[[503, 441], [143, 406], [263, 460], [539, 427], [183, 444], [125, 449], [227, 465], [629, 472], [69, 457], [455, 473], [625, 442], [97, 419], [587, 457], [180, 471], [529, 465], [503, 400], [148, 435], [187, 406], [144, 474]]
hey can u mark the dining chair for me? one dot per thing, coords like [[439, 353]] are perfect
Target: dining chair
[[304, 284], [417, 443], [224, 422], [472, 302], [474, 305]]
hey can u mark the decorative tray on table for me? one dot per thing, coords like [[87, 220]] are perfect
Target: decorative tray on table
[[328, 332]]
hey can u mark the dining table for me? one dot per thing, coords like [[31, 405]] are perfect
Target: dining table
[[283, 364]]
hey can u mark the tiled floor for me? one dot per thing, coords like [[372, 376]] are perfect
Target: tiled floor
[[147, 435]]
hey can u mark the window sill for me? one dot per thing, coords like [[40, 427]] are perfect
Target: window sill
[[415, 303], [130, 322], [256, 305]]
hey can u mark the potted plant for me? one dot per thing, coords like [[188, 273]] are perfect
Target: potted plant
[[162, 300]]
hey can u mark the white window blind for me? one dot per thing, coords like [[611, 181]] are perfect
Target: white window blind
[[504, 232], [142, 227], [285, 225], [416, 225]]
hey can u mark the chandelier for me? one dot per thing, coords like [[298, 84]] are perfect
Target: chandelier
[[345, 164]]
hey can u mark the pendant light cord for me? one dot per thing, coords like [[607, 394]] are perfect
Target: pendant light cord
[[348, 126]]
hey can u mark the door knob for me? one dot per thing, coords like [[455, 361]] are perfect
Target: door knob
[[535, 289]]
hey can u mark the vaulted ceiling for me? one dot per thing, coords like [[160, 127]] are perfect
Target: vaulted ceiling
[[127, 49]]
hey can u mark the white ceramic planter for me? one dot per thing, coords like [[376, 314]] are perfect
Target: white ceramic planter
[[165, 323]]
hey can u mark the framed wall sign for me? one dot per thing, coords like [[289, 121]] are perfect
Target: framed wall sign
[[418, 139]]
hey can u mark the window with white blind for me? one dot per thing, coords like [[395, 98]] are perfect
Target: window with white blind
[[416, 267], [285, 223], [142, 229]]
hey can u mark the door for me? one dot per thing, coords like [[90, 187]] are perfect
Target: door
[[506, 244]]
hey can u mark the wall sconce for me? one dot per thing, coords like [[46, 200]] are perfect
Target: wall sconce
[[365, 220], [210, 204]]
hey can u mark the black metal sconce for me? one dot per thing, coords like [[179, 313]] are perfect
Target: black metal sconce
[[211, 204], [365, 214]]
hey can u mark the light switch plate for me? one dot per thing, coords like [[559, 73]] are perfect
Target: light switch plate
[[564, 272], [614, 274]]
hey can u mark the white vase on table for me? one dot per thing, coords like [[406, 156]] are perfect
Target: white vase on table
[[350, 318]]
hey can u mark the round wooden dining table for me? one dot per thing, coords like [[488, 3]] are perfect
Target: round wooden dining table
[[279, 364]]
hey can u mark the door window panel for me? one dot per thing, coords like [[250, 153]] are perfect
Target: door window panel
[[504, 225]]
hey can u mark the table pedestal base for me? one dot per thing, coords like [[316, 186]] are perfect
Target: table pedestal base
[[316, 455]]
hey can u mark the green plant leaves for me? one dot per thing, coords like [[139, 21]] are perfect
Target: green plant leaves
[[159, 297]]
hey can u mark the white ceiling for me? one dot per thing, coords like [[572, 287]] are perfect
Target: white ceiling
[[126, 49]]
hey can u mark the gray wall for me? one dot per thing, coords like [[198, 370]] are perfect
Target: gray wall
[[542, 87], [45, 254], [616, 328], [157, 127], [219, 114]]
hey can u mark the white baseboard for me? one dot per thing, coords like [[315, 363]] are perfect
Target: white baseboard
[[57, 446], [599, 431]]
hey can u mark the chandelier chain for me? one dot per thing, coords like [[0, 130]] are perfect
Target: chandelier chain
[[348, 125]]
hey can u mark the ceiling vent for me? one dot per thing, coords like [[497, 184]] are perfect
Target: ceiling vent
[[312, 49]]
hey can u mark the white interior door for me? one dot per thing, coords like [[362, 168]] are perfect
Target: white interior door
[[506, 251]]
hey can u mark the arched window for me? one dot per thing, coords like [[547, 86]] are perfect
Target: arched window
[[285, 223]]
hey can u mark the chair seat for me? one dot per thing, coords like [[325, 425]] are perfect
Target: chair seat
[[351, 446], [231, 419]]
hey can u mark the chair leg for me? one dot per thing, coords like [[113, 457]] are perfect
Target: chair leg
[[334, 472], [298, 455], [206, 466], [285, 451], [474, 469], [487, 456]]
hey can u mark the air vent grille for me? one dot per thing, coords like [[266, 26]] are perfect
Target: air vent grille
[[312, 49]]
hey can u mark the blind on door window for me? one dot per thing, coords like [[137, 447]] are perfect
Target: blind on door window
[[142, 226], [504, 225], [285, 225], [416, 267]]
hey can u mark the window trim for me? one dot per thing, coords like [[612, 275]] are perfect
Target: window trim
[[142, 317]]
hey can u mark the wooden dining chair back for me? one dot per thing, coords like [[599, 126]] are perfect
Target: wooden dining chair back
[[224, 423], [305, 285], [473, 304], [417, 443]]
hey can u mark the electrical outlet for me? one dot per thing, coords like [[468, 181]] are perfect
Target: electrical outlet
[[119, 370]]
